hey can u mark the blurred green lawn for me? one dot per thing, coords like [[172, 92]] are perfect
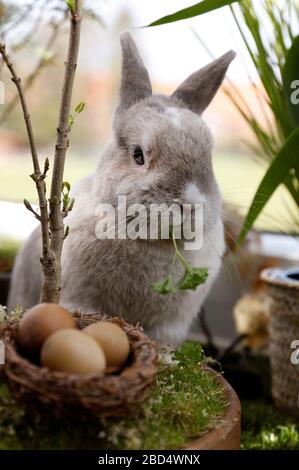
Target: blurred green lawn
[[238, 177], [15, 181]]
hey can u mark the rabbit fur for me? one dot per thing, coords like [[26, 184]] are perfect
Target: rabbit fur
[[115, 276]]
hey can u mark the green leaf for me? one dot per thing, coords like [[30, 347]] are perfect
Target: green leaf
[[66, 185], [290, 75], [192, 278], [164, 287], [71, 204], [67, 231], [79, 108], [195, 10], [71, 4], [286, 160]]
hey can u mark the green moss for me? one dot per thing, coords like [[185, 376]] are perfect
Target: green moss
[[8, 251], [263, 427], [184, 403]]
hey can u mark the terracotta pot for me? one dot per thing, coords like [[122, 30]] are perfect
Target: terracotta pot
[[283, 288], [4, 287], [225, 436]]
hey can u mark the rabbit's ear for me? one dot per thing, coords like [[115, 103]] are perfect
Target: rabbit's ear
[[135, 81], [198, 90]]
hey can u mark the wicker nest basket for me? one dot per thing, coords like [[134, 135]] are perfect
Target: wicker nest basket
[[283, 287], [84, 396]]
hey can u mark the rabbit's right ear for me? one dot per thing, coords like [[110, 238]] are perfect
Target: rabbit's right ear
[[135, 80], [199, 89]]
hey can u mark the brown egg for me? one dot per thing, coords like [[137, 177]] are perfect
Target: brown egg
[[40, 322], [73, 351], [113, 340]]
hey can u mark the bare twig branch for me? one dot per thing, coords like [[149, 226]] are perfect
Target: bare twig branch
[[24, 40], [46, 167], [53, 283], [30, 208], [42, 62], [52, 227], [17, 82], [37, 175], [14, 24]]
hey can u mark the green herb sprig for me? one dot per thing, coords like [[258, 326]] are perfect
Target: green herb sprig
[[78, 109], [190, 280]]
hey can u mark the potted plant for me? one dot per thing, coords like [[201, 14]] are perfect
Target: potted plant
[[283, 285], [189, 407], [276, 61], [40, 375], [276, 58]]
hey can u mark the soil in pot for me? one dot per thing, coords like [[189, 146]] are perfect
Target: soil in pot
[[186, 402]]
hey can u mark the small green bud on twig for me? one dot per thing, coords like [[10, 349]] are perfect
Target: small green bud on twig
[[46, 166], [71, 204], [71, 4], [78, 109], [67, 231]]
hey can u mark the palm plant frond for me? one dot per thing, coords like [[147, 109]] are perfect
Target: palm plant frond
[[269, 30]]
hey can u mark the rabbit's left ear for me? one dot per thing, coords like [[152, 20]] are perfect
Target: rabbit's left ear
[[135, 81], [198, 90]]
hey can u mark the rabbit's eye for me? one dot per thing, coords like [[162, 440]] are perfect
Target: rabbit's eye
[[138, 155]]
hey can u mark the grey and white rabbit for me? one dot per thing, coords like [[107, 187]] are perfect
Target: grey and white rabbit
[[115, 276]]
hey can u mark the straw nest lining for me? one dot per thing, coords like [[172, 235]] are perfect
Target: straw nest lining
[[69, 394]]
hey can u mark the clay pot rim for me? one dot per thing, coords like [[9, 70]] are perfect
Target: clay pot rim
[[226, 434], [280, 277]]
